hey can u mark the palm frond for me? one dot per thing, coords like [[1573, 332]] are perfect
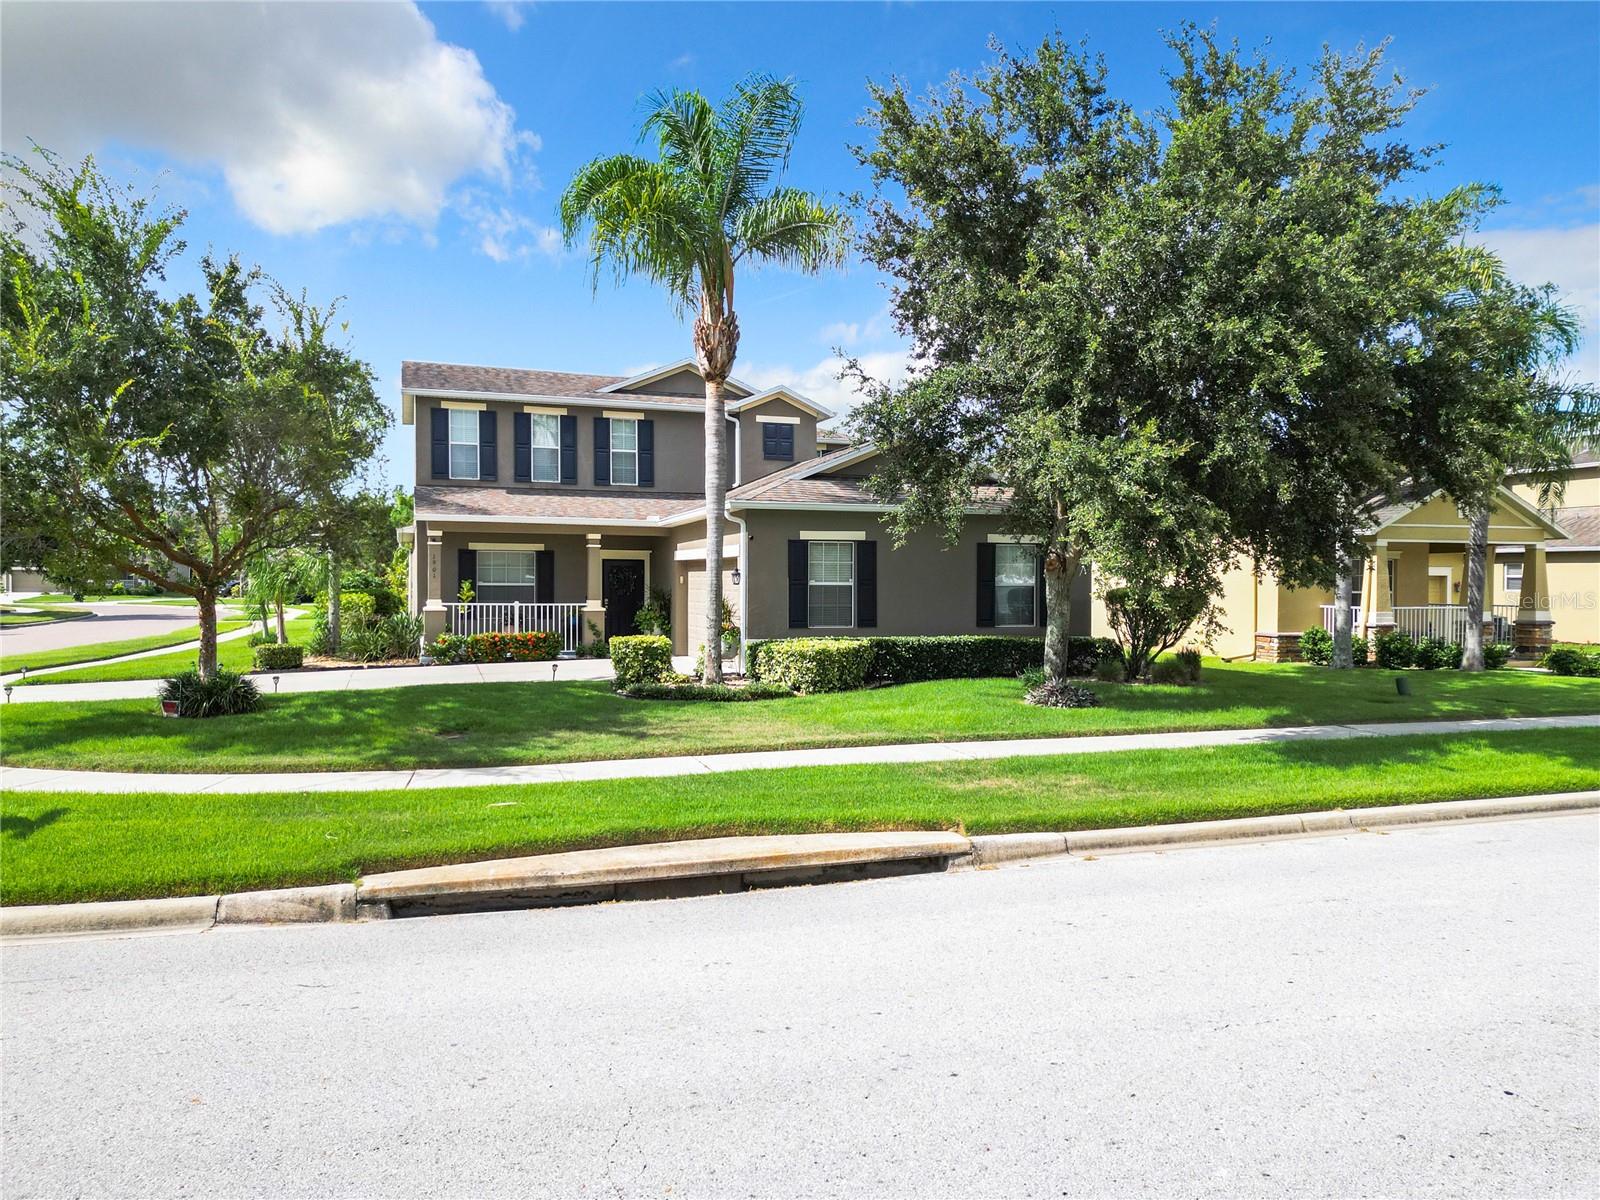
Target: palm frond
[[792, 228], [756, 131], [685, 126]]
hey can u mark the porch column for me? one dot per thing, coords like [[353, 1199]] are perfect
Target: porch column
[[433, 612], [594, 605], [1382, 607], [1532, 633]]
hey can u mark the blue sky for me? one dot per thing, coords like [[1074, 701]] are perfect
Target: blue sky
[[409, 160]]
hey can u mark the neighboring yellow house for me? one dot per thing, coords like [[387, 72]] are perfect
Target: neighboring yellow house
[[1413, 577], [1572, 563]]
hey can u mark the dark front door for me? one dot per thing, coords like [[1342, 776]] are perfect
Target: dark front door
[[622, 589]]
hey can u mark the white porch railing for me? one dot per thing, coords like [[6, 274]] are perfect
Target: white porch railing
[[515, 616], [1447, 622]]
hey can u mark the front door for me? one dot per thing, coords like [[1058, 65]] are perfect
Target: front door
[[622, 589], [1438, 589]]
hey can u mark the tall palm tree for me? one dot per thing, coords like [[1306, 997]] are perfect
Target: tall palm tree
[[711, 200]]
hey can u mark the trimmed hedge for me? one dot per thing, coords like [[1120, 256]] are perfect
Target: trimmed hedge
[[973, 656], [810, 665], [701, 691], [640, 658], [1568, 660], [1171, 672], [1435, 654], [274, 657], [539, 646]]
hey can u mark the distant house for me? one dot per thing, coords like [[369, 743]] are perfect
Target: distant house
[[564, 499]]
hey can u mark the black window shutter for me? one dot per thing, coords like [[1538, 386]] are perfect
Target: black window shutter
[[441, 443], [647, 454], [544, 576], [522, 446], [867, 584], [569, 449], [1038, 591], [466, 568], [986, 583], [602, 452], [488, 452], [799, 616], [777, 441]]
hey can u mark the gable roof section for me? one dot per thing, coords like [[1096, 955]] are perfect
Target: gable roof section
[[816, 484], [1582, 524], [782, 393], [1392, 514], [642, 381]]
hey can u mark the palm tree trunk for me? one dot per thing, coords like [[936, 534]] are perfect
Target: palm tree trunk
[[1343, 589], [1477, 576], [716, 499], [283, 629]]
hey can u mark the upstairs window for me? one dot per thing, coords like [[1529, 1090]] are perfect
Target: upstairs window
[[1016, 577], [464, 424], [545, 431], [624, 451], [777, 441], [831, 585]]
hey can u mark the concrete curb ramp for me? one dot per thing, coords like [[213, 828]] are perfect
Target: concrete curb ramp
[[714, 865]]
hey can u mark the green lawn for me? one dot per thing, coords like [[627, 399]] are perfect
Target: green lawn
[[98, 650], [60, 847], [237, 655], [487, 724], [11, 617], [108, 598]]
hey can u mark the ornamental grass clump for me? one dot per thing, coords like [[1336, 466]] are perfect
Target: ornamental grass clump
[[1052, 694], [225, 694]]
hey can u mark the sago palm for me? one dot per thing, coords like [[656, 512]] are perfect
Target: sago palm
[[711, 200]]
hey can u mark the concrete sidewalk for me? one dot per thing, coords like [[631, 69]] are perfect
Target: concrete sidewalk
[[38, 779], [337, 680]]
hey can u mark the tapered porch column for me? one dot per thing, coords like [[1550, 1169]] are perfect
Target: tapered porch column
[[1381, 608], [433, 612], [1532, 632], [594, 604]]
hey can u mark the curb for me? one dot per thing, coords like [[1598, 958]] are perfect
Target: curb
[[344, 902]]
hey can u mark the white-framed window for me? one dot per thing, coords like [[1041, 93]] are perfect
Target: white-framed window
[[624, 450], [463, 443], [506, 575], [544, 431], [831, 585], [1016, 578], [1513, 577]]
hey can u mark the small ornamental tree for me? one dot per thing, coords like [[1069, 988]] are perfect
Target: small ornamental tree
[[167, 437], [1159, 338]]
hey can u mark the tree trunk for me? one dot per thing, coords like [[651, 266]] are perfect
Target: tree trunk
[[1343, 589], [716, 499], [283, 630], [207, 664], [333, 603], [1060, 568], [1477, 576]]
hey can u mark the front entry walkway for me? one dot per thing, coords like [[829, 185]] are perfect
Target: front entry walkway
[[41, 780]]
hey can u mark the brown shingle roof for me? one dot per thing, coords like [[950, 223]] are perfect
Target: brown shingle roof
[[1582, 525], [514, 381], [760, 488], [468, 503]]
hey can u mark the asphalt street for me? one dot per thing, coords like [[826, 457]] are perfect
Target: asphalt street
[[1412, 1013]]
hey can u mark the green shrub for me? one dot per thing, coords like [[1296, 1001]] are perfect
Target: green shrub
[[1495, 655], [655, 615], [640, 658], [1191, 663], [970, 656], [1062, 695], [1110, 669], [274, 657], [1171, 672], [1358, 651], [1435, 654], [1394, 650], [225, 694], [1031, 678], [1316, 646], [1569, 660], [810, 665], [707, 692]]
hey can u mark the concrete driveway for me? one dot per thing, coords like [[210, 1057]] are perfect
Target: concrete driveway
[[1411, 1014], [110, 623]]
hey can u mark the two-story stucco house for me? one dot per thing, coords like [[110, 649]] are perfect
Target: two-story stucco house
[[565, 499]]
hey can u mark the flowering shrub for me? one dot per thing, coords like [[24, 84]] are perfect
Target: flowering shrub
[[540, 646]]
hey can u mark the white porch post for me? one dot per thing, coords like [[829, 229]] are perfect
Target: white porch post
[[433, 611], [594, 605]]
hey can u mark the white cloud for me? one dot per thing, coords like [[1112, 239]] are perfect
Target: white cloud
[[314, 114], [849, 333], [1570, 259], [509, 11], [821, 382], [506, 235]]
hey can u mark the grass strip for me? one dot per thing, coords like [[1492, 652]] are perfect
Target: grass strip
[[492, 724], [66, 847], [98, 650], [237, 655]]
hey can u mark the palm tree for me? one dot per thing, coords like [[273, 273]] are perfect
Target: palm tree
[[712, 200]]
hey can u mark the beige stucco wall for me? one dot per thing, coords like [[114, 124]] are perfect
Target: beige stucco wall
[[1574, 599], [1582, 490], [751, 462], [570, 551]]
